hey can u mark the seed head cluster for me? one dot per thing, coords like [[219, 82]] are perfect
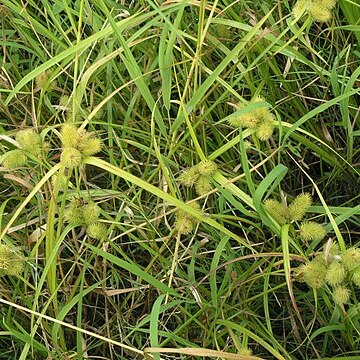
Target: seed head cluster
[[319, 10], [87, 214], [294, 212], [199, 175], [11, 261], [185, 222], [29, 143], [337, 271], [77, 144], [259, 118]]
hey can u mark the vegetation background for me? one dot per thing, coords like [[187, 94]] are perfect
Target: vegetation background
[[158, 81]]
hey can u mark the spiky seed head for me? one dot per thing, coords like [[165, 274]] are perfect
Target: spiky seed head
[[341, 295], [203, 185], [195, 205], [5, 257], [11, 261], [351, 258], [313, 273], [336, 274], [90, 146], [207, 168], [245, 351], [276, 210], [264, 130], [247, 119], [300, 8], [184, 225], [184, 221], [29, 140], [16, 268], [356, 276], [262, 113], [334, 249], [91, 213], [97, 231], [320, 13], [310, 231], [14, 159], [42, 79], [70, 157], [298, 207], [70, 136], [329, 4], [189, 176], [74, 214]]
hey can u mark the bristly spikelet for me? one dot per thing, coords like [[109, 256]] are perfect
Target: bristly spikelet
[[341, 295], [42, 79], [11, 261], [91, 213], [335, 274], [203, 185], [14, 159], [260, 119], [189, 176], [17, 266], [334, 249], [310, 231], [70, 136], [183, 225], [299, 206], [196, 206], [356, 277], [247, 119], [90, 146], [74, 214], [329, 4], [313, 273], [261, 113], [245, 351], [5, 257], [351, 258], [276, 210], [264, 130], [184, 221], [207, 168], [319, 10], [70, 157], [29, 140], [300, 8], [97, 231], [320, 13]]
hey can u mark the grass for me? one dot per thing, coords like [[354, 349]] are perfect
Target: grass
[[160, 83]]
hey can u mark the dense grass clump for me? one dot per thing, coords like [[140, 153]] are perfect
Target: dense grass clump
[[180, 179]]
